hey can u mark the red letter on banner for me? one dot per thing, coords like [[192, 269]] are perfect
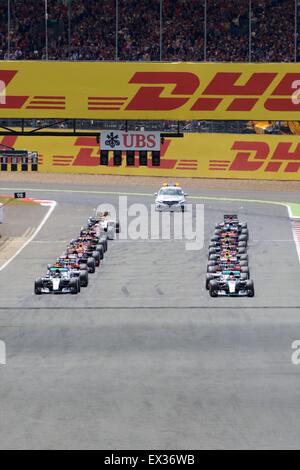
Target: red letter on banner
[[149, 99], [242, 161]]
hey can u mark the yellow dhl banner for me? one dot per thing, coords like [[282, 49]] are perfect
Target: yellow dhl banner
[[172, 91], [196, 156]]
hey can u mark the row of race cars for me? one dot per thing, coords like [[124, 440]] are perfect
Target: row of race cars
[[81, 258], [228, 271]]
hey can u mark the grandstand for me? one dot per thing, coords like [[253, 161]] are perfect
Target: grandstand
[[144, 30]]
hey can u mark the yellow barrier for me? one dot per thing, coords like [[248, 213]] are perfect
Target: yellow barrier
[[176, 91], [196, 155]]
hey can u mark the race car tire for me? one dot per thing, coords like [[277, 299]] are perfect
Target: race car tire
[[244, 257], [212, 251], [91, 264], [244, 225], [96, 256], [84, 278], [83, 267], [100, 250], [245, 231], [245, 270], [211, 269], [213, 289], [242, 244], [38, 285], [243, 238], [111, 232], [213, 258], [250, 288], [242, 250], [243, 263], [209, 278], [244, 277], [103, 241], [211, 263], [74, 286]]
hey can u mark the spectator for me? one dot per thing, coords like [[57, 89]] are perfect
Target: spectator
[[86, 30]]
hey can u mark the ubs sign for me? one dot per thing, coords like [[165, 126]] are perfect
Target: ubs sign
[[137, 141]]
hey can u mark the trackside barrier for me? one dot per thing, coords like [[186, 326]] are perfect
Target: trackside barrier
[[153, 90], [196, 155]]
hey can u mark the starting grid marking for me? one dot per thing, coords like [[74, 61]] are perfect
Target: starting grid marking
[[296, 233]]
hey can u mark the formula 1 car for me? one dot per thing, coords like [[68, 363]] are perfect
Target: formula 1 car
[[87, 252], [89, 234], [227, 242], [231, 222], [92, 245], [83, 259], [77, 270], [102, 223], [222, 273], [57, 281], [241, 266], [227, 256], [227, 235], [233, 250], [231, 285]]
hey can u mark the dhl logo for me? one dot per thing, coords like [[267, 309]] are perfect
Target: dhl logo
[[224, 84], [254, 156], [25, 101], [165, 91]]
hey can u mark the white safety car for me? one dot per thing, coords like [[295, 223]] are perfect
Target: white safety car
[[170, 197]]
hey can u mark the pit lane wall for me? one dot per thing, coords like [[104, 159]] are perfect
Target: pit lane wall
[[196, 155]]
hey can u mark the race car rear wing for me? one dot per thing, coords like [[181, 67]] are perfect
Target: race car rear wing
[[231, 218]]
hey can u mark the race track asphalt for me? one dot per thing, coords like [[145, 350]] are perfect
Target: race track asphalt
[[144, 358]]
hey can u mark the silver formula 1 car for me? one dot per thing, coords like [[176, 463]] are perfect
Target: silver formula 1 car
[[231, 285], [57, 281]]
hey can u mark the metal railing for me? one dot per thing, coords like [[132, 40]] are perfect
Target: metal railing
[[228, 127]]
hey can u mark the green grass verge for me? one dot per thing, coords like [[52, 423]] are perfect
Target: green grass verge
[[12, 201]]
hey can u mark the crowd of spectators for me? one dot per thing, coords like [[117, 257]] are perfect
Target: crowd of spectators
[[86, 30]]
